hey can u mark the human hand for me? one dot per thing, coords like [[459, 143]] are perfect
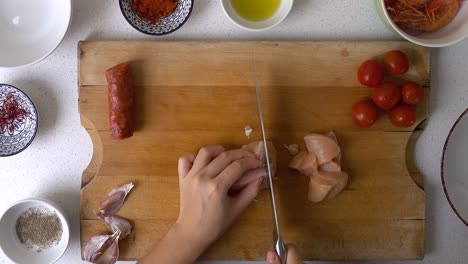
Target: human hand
[[206, 208], [292, 258]]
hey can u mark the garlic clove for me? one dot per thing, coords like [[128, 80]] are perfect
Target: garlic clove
[[102, 249], [110, 255], [116, 223], [125, 188], [114, 201], [93, 247]]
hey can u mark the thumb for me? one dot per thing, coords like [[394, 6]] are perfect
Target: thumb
[[246, 196], [272, 258]]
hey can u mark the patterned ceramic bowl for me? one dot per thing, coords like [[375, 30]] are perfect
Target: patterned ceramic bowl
[[18, 120], [165, 25]]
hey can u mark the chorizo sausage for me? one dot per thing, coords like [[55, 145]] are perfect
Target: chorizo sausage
[[120, 97]]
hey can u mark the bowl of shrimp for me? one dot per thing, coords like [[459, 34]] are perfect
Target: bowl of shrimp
[[429, 23]]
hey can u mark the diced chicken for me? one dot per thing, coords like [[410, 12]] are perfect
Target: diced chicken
[[331, 166], [324, 147], [326, 185], [322, 162], [297, 160], [305, 162], [319, 189]]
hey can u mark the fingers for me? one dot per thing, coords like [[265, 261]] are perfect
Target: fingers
[[185, 164], [205, 156], [272, 258], [249, 177], [235, 170], [225, 159], [246, 196], [293, 255]]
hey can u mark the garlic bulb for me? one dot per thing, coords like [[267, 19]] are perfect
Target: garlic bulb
[[115, 200]]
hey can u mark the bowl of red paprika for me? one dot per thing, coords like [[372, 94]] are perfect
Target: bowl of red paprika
[[156, 17], [18, 120]]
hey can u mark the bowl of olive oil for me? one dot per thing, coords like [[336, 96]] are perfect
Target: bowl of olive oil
[[257, 15]]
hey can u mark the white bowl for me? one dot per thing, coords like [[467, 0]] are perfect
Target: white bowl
[[31, 30], [277, 18], [455, 31], [453, 170], [17, 252]]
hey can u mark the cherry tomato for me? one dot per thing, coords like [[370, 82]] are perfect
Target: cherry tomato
[[365, 113], [386, 96], [402, 116], [370, 73], [412, 93], [396, 62]]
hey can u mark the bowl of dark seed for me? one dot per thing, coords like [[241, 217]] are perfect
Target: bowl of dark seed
[[34, 231]]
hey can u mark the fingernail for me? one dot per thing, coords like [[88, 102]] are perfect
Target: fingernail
[[271, 257]]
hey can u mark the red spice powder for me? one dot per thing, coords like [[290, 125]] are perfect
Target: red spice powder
[[154, 10]]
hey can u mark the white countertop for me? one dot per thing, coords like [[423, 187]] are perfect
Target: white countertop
[[52, 166]]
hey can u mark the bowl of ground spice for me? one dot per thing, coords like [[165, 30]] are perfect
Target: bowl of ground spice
[[156, 17], [34, 231]]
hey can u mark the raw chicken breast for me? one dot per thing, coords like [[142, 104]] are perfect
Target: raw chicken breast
[[323, 146], [258, 149]]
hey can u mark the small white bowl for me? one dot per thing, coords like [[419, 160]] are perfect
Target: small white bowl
[[31, 30], [455, 31], [276, 19], [17, 252]]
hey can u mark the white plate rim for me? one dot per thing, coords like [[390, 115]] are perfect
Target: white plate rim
[[442, 175]]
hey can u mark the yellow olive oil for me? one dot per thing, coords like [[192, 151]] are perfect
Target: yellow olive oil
[[256, 10]]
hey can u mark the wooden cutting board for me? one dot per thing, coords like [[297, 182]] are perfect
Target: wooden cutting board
[[192, 94]]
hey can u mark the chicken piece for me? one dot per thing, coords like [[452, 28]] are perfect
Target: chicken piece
[[331, 166], [335, 164], [319, 189], [326, 185], [297, 160], [259, 151], [324, 147], [305, 162]]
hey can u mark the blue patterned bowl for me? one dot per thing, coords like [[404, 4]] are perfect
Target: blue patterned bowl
[[165, 25], [18, 120]]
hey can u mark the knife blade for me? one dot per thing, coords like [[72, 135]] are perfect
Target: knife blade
[[280, 248]]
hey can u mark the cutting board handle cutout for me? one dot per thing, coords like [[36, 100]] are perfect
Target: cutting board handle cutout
[[411, 166], [96, 161]]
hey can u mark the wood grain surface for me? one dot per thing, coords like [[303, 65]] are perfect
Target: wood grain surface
[[192, 94]]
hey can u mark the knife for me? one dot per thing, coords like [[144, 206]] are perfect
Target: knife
[[280, 248]]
